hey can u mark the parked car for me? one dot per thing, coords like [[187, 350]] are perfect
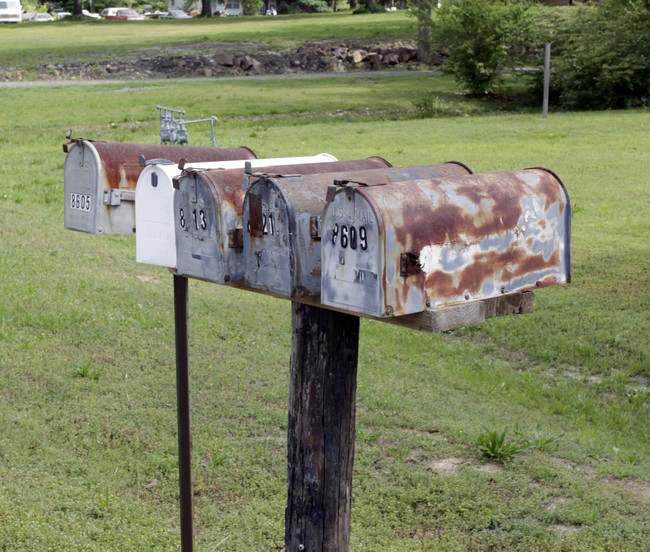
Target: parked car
[[155, 15], [41, 17], [10, 11], [86, 13], [176, 14], [62, 15], [126, 14]]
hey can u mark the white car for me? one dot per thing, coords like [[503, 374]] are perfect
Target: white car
[[176, 14], [43, 17], [86, 13]]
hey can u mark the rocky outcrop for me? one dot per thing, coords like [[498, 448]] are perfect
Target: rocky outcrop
[[241, 59]]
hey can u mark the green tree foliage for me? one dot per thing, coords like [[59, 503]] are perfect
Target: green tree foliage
[[251, 7], [483, 37], [600, 56], [304, 6]]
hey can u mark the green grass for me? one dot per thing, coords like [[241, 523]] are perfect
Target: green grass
[[88, 449], [32, 43]]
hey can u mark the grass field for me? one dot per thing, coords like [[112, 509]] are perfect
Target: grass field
[[32, 43], [88, 450]]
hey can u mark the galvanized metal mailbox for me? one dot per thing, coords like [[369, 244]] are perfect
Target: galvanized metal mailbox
[[100, 180], [155, 239], [404, 247], [208, 217], [282, 244]]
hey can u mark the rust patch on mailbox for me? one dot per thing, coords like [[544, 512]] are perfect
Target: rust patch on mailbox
[[472, 237], [256, 215], [121, 163]]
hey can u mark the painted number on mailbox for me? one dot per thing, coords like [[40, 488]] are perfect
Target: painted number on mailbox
[[198, 220], [350, 236], [80, 202]]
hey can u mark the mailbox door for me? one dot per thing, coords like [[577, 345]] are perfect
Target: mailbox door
[[352, 255], [269, 235], [155, 238], [197, 209], [81, 177]]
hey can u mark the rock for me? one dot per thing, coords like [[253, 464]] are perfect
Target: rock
[[255, 67], [357, 56], [222, 57], [391, 59], [246, 63], [336, 65]]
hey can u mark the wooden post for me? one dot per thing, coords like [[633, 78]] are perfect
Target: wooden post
[[322, 395]]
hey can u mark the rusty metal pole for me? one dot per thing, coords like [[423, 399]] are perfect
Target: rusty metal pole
[[321, 432], [183, 410]]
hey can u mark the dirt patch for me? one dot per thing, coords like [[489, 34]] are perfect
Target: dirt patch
[[552, 506], [565, 529], [455, 463]]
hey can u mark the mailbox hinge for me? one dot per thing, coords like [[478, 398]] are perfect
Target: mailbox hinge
[[409, 264]]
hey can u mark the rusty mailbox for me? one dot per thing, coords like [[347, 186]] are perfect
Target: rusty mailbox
[[208, 218], [155, 239], [282, 214], [99, 180], [401, 248]]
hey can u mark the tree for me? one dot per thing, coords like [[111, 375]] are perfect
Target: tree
[[76, 8], [610, 72], [483, 37], [206, 8], [421, 10]]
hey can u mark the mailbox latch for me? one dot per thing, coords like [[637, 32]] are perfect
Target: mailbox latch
[[114, 196], [409, 264], [314, 227], [236, 237]]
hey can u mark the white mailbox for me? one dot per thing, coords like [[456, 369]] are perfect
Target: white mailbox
[[208, 219], [99, 180], [282, 242], [405, 247]]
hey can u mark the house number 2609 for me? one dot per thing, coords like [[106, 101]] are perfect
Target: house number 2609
[[350, 236], [198, 219]]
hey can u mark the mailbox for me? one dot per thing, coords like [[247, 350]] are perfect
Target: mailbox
[[208, 217], [100, 178], [401, 248], [155, 238], [282, 244]]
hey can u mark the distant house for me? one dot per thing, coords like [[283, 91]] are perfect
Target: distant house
[[228, 7]]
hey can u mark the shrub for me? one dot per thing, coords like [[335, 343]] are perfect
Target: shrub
[[428, 105], [251, 7], [492, 444], [481, 36], [305, 6], [600, 57]]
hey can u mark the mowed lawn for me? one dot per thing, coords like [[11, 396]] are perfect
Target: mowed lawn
[[88, 449]]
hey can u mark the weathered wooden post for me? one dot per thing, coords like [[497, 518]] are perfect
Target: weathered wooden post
[[320, 444]]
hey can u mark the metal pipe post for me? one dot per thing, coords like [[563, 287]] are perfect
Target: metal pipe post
[[547, 78], [183, 410]]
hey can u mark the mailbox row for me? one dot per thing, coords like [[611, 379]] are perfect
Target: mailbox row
[[366, 237]]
